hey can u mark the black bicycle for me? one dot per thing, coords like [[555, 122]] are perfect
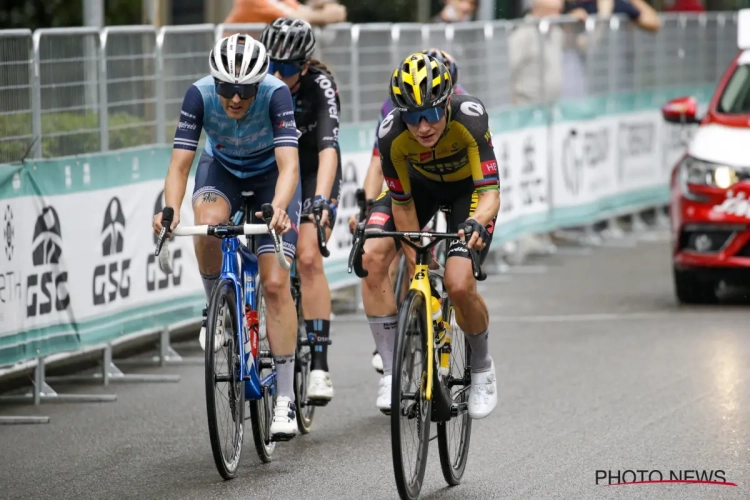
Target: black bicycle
[[431, 370]]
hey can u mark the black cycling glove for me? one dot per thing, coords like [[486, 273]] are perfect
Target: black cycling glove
[[470, 226], [321, 203]]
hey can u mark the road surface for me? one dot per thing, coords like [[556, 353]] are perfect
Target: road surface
[[598, 369]]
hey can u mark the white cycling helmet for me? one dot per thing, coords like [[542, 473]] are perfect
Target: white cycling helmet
[[239, 59]]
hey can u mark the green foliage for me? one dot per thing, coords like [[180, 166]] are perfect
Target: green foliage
[[65, 134], [34, 14]]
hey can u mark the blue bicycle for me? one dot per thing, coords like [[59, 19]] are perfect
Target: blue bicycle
[[236, 316]]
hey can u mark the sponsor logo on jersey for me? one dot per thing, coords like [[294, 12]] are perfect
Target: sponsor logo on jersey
[[489, 168], [394, 184], [425, 156], [378, 219]]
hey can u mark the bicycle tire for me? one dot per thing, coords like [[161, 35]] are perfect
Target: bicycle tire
[[302, 361], [454, 467], [261, 410], [223, 301], [398, 284], [413, 308]]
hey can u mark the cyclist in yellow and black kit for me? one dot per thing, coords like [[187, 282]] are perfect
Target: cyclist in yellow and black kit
[[436, 148]]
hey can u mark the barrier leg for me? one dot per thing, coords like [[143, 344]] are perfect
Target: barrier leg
[[44, 393], [662, 218], [23, 420], [166, 355], [615, 237], [111, 373]]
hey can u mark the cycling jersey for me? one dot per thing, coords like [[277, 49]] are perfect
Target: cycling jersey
[[245, 147], [463, 151], [316, 112], [388, 107]]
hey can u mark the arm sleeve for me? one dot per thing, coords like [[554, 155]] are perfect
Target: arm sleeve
[[627, 8], [393, 162], [191, 121], [327, 131], [481, 152], [281, 110]]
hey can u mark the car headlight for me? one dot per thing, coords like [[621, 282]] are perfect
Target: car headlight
[[704, 173]]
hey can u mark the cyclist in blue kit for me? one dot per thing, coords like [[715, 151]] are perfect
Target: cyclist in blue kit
[[251, 146]]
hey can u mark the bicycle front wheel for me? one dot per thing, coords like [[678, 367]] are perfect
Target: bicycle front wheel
[[410, 411], [225, 389], [455, 434], [261, 410]]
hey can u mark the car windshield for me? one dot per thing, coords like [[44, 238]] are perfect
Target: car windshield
[[735, 99]]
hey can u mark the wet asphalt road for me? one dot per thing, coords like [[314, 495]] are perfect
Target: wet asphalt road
[[598, 369]]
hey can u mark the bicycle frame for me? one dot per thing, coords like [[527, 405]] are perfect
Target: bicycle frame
[[243, 273]]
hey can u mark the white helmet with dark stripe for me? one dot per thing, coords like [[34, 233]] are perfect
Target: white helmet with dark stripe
[[289, 40], [239, 59]]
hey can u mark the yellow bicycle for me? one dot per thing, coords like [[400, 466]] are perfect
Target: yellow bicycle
[[431, 372]]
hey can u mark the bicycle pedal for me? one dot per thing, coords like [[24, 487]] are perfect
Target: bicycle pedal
[[282, 438], [317, 402]]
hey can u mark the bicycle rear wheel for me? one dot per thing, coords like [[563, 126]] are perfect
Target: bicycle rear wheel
[[261, 410], [302, 361], [455, 434], [409, 406], [224, 386]]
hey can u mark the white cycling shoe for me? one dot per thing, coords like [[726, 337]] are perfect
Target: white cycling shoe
[[384, 394], [377, 362], [218, 338], [483, 393], [284, 424], [320, 387]]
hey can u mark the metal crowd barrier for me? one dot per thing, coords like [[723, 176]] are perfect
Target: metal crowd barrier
[[83, 90]]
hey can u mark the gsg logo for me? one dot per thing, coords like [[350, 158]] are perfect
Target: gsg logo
[[46, 254], [112, 278]]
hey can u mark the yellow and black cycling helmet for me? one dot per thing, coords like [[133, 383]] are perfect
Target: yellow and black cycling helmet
[[446, 59], [420, 82]]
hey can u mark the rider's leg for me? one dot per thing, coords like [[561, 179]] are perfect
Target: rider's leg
[[377, 360], [472, 314], [377, 294], [214, 194], [316, 307], [281, 315], [316, 294]]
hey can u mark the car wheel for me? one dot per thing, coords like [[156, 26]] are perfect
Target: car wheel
[[690, 289]]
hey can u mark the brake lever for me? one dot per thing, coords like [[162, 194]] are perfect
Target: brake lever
[[267, 213], [167, 216], [321, 233]]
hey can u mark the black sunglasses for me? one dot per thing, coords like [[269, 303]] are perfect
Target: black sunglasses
[[228, 90]]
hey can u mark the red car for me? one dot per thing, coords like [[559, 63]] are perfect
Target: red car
[[710, 185]]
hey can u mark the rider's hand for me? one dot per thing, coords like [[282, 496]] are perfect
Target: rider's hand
[[321, 202], [478, 234], [156, 224], [280, 220]]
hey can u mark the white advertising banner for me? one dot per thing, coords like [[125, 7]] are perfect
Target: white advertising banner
[[89, 255], [584, 167], [524, 178]]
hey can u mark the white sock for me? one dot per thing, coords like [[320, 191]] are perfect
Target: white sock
[[384, 329], [285, 375]]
